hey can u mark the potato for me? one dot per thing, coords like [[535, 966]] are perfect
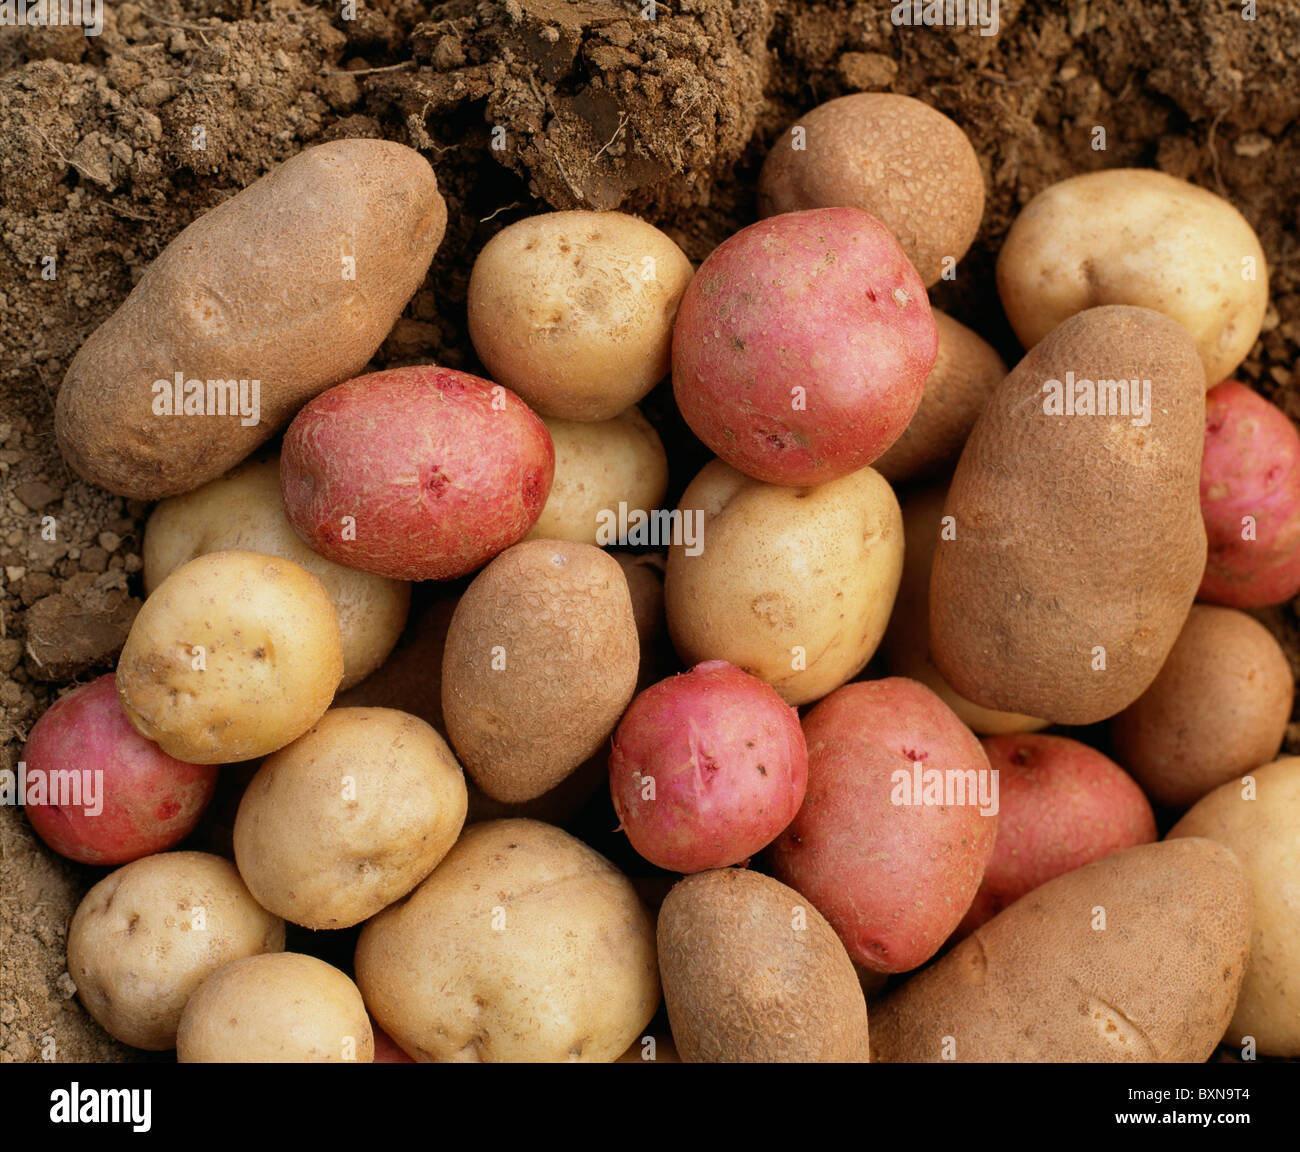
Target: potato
[[286, 288], [1078, 541], [1250, 498], [906, 643], [281, 1009], [897, 825], [1140, 237], [802, 346], [707, 768], [98, 792], [523, 945], [1137, 957], [792, 585], [243, 510], [349, 817], [146, 936], [541, 660], [645, 584], [752, 972], [1218, 708], [965, 372], [1256, 818], [234, 655], [899, 159], [599, 466], [1062, 805], [574, 310], [418, 473]]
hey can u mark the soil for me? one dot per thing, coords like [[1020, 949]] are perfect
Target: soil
[[519, 105]]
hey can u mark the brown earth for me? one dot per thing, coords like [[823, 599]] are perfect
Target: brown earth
[[519, 106]]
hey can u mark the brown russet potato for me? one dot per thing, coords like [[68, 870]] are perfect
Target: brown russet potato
[[1135, 957], [1218, 709], [1078, 540], [753, 972], [540, 661], [292, 285], [1258, 818]]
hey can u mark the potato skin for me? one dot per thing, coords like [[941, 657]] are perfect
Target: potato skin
[[1063, 805], [1074, 533], [966, 370], [522, 945], [242, 511], [1264, 834], [1039, 983], [419, 473], [751, 597], [1251, 467], [272, 658], [246, 292], [540, 661], [349, 817], [136, 953], [753, 972], [906, 163], [564, 309], [1218, 708], [892, 876], [1140, 237], [284, 1008], [597, 466], [906, 643], [802, 346]]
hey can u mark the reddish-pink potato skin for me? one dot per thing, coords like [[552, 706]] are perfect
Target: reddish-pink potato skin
[[1251, 467], [1063, 805], [386, 1049], [894, 880], [823, 300], [439, 471], [151, 801], [729, 765]]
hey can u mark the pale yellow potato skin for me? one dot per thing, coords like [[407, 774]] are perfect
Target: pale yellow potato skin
[[272, 657], [257, 288], [574, 310], [906, 645], [1135, 236], [785, 568], [243, 511], [349, 817], [285, 1008], [597, 466], [523, 945], [147, 935], [1264, 834]]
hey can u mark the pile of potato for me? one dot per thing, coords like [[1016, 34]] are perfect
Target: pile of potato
[[1070, 542]]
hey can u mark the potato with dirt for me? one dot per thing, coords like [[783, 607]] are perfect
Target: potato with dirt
[[273, 296], [243, 511], [147, 935], [574, 310]]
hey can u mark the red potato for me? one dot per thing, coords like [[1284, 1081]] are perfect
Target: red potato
[[386, 1049], [1063, 805], [419, 473], [1250, 498], [802, 346], [708, 767], [898, 823], [139, 800]]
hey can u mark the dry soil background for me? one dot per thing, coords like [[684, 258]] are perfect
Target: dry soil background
[[666, 117]]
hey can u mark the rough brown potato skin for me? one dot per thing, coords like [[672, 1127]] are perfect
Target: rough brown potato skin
[[254, 289], [1039, 983], [1074, 531], [742, 983], [560, 616], [1218, 708]]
